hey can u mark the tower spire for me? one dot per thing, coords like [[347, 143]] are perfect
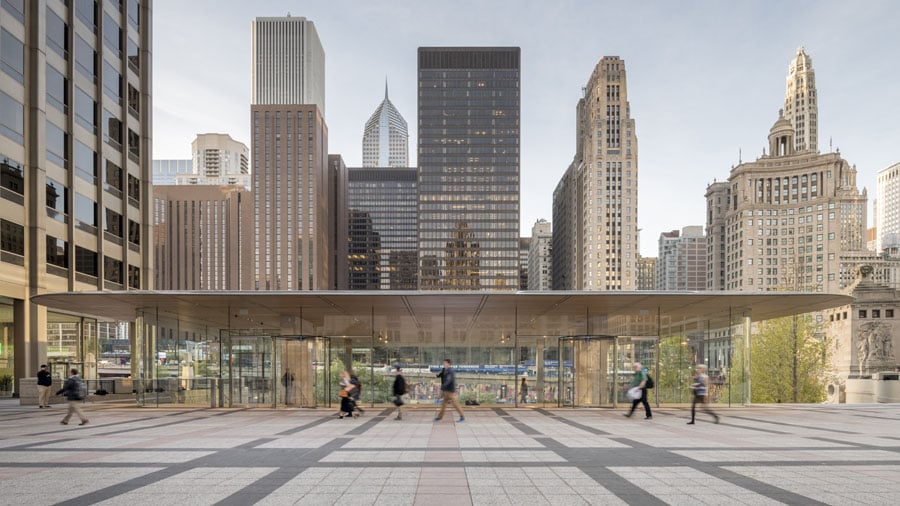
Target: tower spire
[[385, 88]]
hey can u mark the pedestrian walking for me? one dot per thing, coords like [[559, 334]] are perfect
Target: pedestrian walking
[[346, 389], [287, 381], [700, 388], [523, 391], [354, 394], [640, 382], [74, 390], [44, 382], [448, 391], [401, 388]]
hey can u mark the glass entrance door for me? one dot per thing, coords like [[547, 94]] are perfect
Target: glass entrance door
[[299, 366], [587, 371], [250, 379]]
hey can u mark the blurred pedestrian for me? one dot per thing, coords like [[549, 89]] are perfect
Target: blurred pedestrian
[[448, 391], [401, 389], [640, 382], [523, 391], [700, 387], [74, 390]]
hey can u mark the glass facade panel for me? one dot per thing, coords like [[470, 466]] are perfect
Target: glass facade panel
[[12, 176], [57, 96], [12, 118], [85, 213], [112, 82], [12, 237], [85, 261], [112, 34], [12, 56], [57, 200], [85, 110], [57, 144], [16, 8], [57, 34], [86, 11], [57, 252], [85, 163], [85, 59]]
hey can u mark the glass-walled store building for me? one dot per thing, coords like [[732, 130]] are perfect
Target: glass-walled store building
[[571, 348]]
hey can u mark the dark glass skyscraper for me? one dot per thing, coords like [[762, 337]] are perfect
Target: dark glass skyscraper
[[382, 228], [469, 168]]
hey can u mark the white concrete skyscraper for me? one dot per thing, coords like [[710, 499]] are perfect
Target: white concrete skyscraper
[[386, 138], [800, 103], [887, 209], [288, 64]]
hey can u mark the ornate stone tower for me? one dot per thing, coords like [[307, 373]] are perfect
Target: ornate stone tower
[[801, 106]]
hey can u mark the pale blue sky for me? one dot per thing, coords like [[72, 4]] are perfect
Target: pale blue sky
[[705, 78]]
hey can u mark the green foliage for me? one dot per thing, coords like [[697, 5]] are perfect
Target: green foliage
[[673, 379], [772, 364]]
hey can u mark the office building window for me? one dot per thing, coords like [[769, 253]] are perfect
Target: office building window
[[57, 34], [85, 261], [113, 181], [12, 237], [85, 111], [57, 200], [12, 56], [85, 163], [112, 269], [112, 34], [134, 188], [134, 232], [134, 277], [134, 56], [113, 223], [85, 213], [57, 144], [56, 89], [112, 82], [12, 118], [57, 252], [112, 130], [85, 59], [12, 176], [86, 11]]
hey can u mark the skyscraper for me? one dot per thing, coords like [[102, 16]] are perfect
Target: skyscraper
[[681, 264], [789, 216], [469, 121], [288, 64], [887, 212], [382, 228], [385, 137], [217, 159], [75, 168], [289, 156], [600, 188], [801, 107], [540, 265], [202, 236]]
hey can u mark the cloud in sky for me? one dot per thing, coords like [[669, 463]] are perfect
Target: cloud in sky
[[705, 79]]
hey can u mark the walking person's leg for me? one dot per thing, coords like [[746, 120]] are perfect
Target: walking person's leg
[[444, 399], [693, 409], [80, 413], [709, 411], [457, 406], [634, 404], [69, 412], [646, 403]]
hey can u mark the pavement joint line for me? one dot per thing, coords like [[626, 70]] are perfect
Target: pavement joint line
[[785, 424], [301, 428], [577, 425]]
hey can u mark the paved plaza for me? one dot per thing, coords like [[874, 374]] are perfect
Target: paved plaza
[[814, 454]]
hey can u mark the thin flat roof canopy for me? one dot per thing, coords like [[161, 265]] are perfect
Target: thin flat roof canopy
[[463, 314]]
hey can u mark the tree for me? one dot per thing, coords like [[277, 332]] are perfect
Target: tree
[[788, 361], [676, 363]]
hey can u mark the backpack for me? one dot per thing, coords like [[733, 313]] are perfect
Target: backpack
[[649, 384]]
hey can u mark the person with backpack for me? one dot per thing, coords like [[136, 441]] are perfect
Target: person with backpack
[[640, 380], [401, 388], [74, 390], [699, 386]]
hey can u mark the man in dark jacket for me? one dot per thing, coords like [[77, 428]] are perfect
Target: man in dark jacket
[[448, 391], [400, 389], [71, 390], [44, 382]]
